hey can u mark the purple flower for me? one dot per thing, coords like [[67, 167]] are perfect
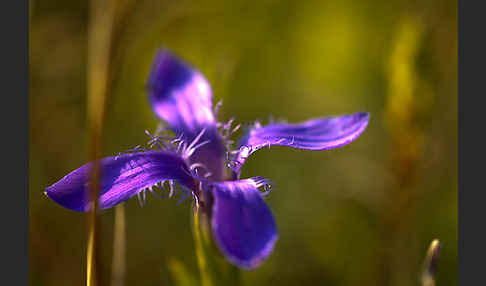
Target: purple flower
[[200, 160]]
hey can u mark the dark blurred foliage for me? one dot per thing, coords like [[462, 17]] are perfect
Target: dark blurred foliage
[[360, 215]]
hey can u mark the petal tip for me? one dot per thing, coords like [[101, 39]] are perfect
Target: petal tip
[[365, 116], [257, 261], [74, 205], [168, 71], [360, 122]]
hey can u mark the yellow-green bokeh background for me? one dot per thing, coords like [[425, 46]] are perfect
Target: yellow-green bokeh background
[[360, 215]]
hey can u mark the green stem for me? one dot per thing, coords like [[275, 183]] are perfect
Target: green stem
[[201, 252], [214, 269], [119, 241]]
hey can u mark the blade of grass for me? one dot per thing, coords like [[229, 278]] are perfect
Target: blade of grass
[[180, 274], [99, 39], [430, 263]]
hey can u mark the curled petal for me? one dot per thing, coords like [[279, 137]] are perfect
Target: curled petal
[[122, 177], [242, 224], [316, 134], [181, 95]]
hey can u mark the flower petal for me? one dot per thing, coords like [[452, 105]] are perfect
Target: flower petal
[[181, 95], [316, 134], [122, 177], [242, 224]]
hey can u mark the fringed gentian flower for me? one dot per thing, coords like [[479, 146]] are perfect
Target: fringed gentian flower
[[200, 160]]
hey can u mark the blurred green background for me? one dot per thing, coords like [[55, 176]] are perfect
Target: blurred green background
[[363, 214]]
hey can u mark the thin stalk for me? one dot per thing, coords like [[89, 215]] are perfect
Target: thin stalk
[[118, 264], [99, 45], [213, 268], [202, 261]]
